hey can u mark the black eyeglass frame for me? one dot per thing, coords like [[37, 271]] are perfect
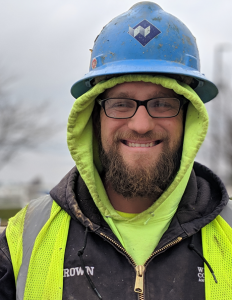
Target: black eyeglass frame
[[182, 100]]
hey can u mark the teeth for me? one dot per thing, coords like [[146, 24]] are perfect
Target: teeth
[[141, 145]]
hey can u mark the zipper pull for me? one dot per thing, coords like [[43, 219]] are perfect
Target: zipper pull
[[139, 281]]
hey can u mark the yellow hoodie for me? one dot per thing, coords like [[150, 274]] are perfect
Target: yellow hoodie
[[138, 235]]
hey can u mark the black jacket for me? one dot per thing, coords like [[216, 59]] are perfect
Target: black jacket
[[174, 271]]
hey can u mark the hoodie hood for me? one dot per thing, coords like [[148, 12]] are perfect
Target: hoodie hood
[[83, 147]]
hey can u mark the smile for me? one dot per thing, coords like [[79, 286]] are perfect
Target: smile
[[141, 145]]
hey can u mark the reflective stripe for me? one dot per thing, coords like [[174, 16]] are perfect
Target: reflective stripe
[[226, 213], [37, 215]]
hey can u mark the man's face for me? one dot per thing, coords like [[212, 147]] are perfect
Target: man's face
[[141, 144]]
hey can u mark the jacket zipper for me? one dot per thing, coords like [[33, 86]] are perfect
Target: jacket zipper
[[140, 269]]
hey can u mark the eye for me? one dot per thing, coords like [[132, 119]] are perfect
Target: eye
[[164, 103], [160, 103], [119, 104]]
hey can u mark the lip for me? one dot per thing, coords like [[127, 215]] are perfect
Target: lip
[[140, 144]]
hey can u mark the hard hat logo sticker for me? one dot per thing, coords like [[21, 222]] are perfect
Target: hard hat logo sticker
[[94, 63], [144, 32]]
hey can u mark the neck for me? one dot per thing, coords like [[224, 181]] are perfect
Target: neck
[[128, 205]]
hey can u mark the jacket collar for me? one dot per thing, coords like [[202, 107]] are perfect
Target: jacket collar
[[203, 199]]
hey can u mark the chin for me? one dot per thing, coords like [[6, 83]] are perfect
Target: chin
[[139, 162]]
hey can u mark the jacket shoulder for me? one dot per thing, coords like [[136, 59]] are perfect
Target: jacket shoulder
[[7, 280]]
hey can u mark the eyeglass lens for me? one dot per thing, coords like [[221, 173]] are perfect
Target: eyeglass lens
[[125, 108]]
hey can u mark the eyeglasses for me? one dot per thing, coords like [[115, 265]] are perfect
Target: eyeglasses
[[124, 108]]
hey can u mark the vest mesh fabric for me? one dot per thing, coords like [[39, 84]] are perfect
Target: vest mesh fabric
[[14, 235], [217, 241], [45, 272]]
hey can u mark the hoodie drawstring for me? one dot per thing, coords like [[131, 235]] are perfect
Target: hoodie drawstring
[[80, 254], [192, 247]]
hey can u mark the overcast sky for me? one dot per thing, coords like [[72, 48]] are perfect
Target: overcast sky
[[45, 44]]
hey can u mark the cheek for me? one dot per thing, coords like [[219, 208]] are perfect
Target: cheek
[[178, 130], [107, 130], [109, 127], [175, 129], [103, 123]]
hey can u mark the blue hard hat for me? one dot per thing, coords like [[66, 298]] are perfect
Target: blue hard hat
[[146, 39]]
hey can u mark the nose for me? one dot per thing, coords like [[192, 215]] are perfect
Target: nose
[[141, 122]]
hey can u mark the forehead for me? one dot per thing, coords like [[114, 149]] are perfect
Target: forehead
[[138, 90]]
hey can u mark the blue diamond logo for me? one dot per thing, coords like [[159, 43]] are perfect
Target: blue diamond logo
[[144, 32]]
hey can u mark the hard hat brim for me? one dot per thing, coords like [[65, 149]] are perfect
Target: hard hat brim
[[205, 89]]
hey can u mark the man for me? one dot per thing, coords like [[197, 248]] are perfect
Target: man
[[137, 218]]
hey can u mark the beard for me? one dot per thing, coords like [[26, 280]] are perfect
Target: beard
[[150, 180]]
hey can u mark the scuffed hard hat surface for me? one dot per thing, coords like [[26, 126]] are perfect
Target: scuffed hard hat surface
[[146, 3], [146, 39], [145, 32]]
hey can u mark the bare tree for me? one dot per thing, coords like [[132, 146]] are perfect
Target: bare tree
[[23, 124], [221, 119], [229, 149]]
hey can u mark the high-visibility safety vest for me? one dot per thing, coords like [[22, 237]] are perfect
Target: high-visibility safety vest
[[37, 238]]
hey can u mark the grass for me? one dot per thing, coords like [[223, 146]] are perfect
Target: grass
[[5, 214]]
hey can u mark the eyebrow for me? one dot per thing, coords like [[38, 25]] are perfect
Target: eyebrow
[[153, 95], [124, 95], [161, 94]]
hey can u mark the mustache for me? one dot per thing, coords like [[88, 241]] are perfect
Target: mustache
[[132, 135]]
